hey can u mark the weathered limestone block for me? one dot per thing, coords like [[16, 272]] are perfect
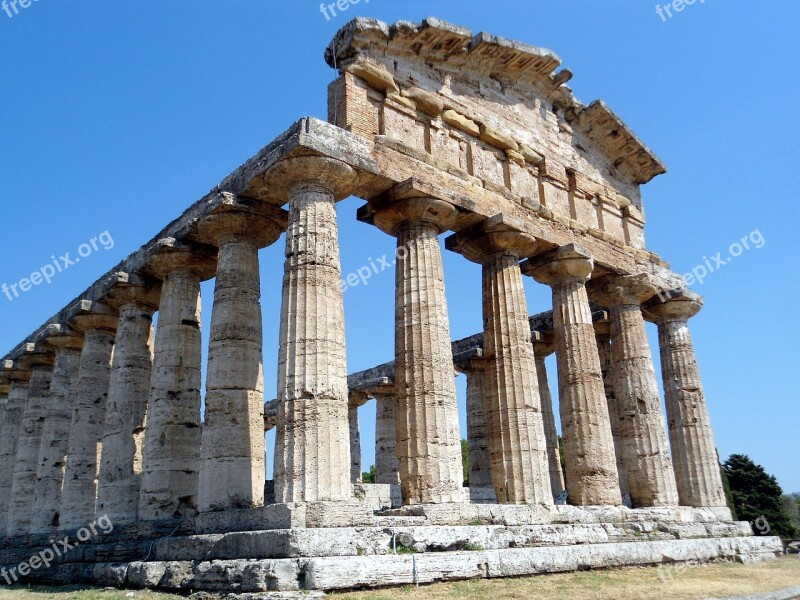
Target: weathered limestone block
[[643, 437], [355, 445], [312, 450], [693, 451], [603, 331], [171, 457], [480, 470], [20, 506], [233, 461], [67, 345], [428, 440], [387, 468], [542, 349], [18, 378], [591, 470], [120, 477], [98, 323], [517, 447]]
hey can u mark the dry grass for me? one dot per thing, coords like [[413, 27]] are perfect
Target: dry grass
[[676, 583]]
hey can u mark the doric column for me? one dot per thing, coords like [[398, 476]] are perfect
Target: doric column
[[480, 470], [356, 474], [428, 441], [603, 332], [517, 447], [588, 444], [67, 345], [643, 437], [98, 323], [18, 376], [233, 460], [20, 507], [312, 449], [542, 348], [693, 451], [387, 468], [123, 431], [171, 457]]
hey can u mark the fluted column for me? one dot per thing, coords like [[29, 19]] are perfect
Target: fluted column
[[643, 437], [55, 434], [312, 449], [387, 468], [18, 376], [428, 441], [517, 447], [356, 474], [480, 470], [693, 450], [120, 478], [20, 507], [171, 457], [233, 461], [98, 323], [588, 444], [541, 349]]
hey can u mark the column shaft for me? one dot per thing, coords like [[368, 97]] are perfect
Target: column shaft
[[480, 471], [79, 496], [170, 462], [233, 451], [517, 447], [606, 365], [21, 502], [694, 454], [55, 442], [550, 431], [312, 450], [9, 437], [592, 477], [387, 468], [428, 442], [123, 432], [356, 475], [643, 439]]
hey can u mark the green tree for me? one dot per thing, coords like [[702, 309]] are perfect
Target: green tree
[[757, 495], [465, 461], [726, 486], [370, 476], [791, 502]]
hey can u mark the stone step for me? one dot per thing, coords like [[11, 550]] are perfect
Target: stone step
[[348, 572]]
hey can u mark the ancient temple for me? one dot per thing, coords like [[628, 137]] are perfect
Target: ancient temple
[[441, 133]]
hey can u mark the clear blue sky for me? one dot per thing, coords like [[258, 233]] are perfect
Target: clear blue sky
[[117, 115]]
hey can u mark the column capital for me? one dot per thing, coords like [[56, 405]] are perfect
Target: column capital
[[681, 307], [36, 355], [58, 336], [88, 315], [14, 372], [330, 175], [621, 290], [496, 235], [261, 224], [391, 216], [169, 255], [133, 289], [543, 344], [469, 361], [572, 262]]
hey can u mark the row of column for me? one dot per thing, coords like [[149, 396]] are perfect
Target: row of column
[[125, 437]]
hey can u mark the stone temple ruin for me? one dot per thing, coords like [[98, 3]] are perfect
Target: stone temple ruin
[[437, 130]]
